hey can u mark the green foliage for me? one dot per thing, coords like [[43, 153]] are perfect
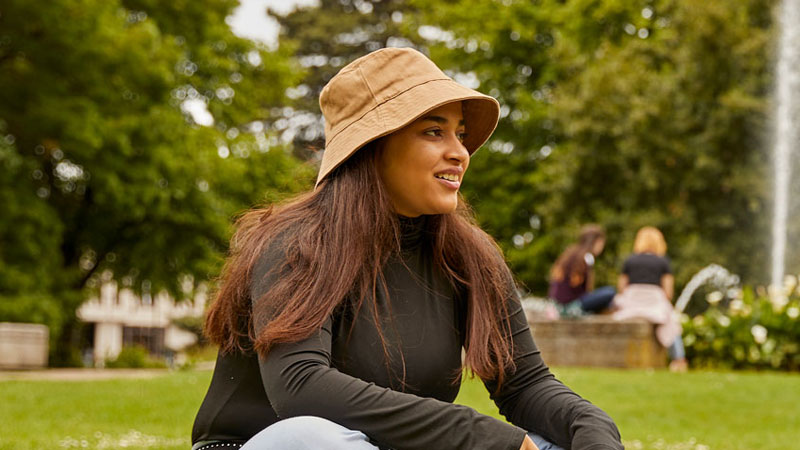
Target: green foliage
[[623, 113], [135, 357], [323, 39], [751, 331], [103, 167]]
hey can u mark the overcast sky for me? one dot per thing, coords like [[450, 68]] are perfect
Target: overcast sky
[[250, 19]]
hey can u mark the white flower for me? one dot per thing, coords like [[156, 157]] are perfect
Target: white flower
[[724, 320], [735, 293], [789, 283], [768, 346], [759, 334], [793, 312], [736, 306], [714, 297], [778, 298], [779, 302]]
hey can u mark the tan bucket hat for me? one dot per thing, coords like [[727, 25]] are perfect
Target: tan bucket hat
[[386, 90]]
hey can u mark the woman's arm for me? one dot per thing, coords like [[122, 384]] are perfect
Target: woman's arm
[[533, 399], [299, 380], [668, 285], [622, 283]]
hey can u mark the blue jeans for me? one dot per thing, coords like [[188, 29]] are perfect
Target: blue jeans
[[676, 350], [597, 300], [312, 433]]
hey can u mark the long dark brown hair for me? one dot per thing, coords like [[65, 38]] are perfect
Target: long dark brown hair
[[336, 240], [571, 265]]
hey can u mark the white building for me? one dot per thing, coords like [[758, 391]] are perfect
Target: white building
[[119, 319]]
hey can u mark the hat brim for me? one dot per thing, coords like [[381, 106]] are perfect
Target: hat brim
[[481, 114]]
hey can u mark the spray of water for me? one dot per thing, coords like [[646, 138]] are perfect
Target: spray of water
[[787, 131], [714, 275]]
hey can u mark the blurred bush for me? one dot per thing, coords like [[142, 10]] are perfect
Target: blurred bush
[[135, 357], [751, 329]]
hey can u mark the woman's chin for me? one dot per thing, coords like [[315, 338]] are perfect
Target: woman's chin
[[446, 207]]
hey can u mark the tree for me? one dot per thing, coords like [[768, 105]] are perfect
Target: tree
[[323, 39], [623, 113], [666, 126], [110, 172]]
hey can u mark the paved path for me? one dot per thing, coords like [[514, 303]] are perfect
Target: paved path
[[90, 374]]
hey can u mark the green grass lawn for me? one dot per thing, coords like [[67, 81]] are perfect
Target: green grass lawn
[[654, 410], [696, 410]]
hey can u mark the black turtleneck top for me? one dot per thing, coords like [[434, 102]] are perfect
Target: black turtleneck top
[[349, 382]]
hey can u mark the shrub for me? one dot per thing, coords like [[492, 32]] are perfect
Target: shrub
[[135, 357], [756, 329]]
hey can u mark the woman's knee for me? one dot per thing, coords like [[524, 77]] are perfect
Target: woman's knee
[[307, 432]]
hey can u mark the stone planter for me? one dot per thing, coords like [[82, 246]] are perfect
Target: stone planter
[[598, 341], [23, 345]]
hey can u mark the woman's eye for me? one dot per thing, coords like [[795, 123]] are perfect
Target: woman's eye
[[438, 133], [435, 133]]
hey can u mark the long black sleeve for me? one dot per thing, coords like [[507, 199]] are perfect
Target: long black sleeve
[[299, 380], [534, 399]]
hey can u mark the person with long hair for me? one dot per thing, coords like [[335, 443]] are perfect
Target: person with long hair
[[572, 275], [341, 315], [646, 287]]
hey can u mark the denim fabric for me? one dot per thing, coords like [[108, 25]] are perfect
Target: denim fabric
[[598, 300], [676, 350], [543, 443], [312, 433]]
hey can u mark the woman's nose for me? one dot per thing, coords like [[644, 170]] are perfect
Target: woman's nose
[[456, 150]]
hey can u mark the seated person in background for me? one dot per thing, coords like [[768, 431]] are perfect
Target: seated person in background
[[645, 290], [572, 275]]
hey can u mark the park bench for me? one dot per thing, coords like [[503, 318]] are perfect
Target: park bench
[[598, 341]]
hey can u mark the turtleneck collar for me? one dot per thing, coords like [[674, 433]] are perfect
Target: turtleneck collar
[[412, 231]]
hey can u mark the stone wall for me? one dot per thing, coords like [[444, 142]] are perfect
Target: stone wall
[[598, 341], [23, 345]]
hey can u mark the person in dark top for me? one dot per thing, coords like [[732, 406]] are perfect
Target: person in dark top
[[572, 275], [645, 290], [342, 314]]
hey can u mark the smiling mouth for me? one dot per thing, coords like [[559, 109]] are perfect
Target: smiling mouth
[[448, 176]]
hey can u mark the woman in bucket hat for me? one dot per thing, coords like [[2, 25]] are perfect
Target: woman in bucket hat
[[342, 314]]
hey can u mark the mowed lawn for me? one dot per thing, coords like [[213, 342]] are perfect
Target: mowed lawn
[[654, 409]]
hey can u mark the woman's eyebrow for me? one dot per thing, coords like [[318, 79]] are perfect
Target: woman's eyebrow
[[440, 120]]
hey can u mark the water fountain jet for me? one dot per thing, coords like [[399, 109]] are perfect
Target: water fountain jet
[[787, 128]]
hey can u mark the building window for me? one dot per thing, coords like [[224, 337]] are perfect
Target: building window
[[150, 338]]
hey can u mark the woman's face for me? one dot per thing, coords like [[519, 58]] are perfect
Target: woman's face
[[422, 165], [598, 246]]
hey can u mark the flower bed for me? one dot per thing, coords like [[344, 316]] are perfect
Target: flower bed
[[747, 329]]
